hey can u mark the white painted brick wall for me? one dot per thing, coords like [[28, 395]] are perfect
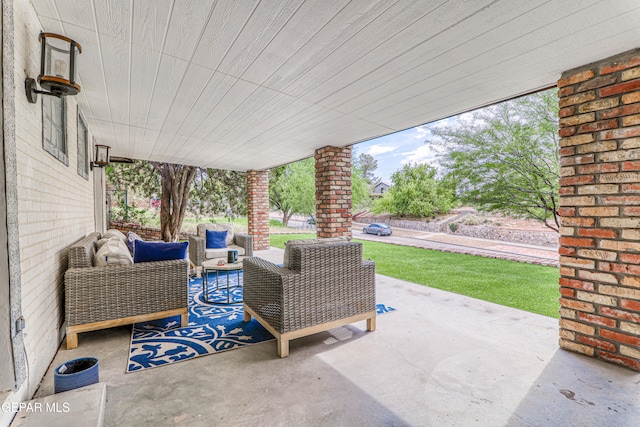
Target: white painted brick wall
[[55, 205]]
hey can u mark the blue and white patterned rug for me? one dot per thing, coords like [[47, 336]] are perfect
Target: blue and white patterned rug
[[213, 328]]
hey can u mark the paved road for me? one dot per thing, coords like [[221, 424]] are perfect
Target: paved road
[[444, 242], [465, 245]]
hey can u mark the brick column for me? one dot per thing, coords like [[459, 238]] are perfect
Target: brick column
[[333, 191], [600, 208], [258, 208]]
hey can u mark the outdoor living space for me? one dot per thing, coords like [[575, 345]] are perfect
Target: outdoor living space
[[438, 359], [245, 87]]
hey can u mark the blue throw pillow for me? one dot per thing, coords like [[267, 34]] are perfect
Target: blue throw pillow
[[159, 251], [216, 239]]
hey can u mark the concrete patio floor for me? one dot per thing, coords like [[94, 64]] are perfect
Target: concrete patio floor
[[441, 359]]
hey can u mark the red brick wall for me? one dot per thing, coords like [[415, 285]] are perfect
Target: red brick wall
[[600, 208], [333, 191], [258, 208], [147, 233]]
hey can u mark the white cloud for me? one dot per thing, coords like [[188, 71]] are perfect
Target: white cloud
[[376, 149], [422, 154], [421, 132]]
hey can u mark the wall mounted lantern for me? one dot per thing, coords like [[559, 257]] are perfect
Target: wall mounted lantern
[[101, 156], [58, 65]]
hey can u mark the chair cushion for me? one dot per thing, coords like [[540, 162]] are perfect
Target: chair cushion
[[286, 263], [159, 251], [112, 252], [222, 253], [216, 239], [202, 228]]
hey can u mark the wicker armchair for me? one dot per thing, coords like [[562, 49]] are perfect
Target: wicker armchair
[[242, 242], [325, 286], [115, 295]]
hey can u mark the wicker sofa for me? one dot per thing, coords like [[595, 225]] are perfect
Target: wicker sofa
[[198, 252], [321, 286], [115, 295]]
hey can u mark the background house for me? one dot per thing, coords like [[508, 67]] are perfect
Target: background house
[[381, 188]]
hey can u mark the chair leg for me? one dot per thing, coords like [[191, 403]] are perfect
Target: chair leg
[[247, 316], [371, 324], [72, 340], [283, 347], [184, 319]]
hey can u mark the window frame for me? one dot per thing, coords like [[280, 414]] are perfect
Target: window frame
[[60, 153], [83, 163]]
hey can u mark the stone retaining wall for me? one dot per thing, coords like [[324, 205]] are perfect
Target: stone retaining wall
[[540, 238], [147, 233]]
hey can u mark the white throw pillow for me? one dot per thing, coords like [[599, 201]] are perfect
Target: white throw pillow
[[104, 240], [112, 232], [112, 252]]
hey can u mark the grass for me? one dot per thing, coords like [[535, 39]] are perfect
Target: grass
[[528, 287]]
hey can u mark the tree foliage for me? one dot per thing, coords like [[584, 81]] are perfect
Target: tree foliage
[[182, 188], [505, 159], [366, 164], [360, 189], [292, 188], [218, 191], [417, 192]]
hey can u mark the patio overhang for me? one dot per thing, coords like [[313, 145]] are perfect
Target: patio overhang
[[200, 82]]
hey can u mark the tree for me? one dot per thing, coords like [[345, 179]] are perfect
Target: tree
[[218, 191], [209, 190], [360, 189], [176, 185], [292, 188], [505, 159], [367, 165], [415, 191]]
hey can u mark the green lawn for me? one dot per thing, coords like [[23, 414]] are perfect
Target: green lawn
[[527, 287]]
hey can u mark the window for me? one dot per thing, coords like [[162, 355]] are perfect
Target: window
[[83, 148], [54, 130]]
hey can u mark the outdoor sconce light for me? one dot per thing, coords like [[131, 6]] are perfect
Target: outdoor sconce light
[[57, 68], [101, 157]]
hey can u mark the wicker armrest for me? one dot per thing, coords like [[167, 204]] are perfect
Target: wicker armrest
[[196, 249], [246, 241], [96, 294]]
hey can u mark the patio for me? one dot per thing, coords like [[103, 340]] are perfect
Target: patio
[[440, 359], [252, 85]]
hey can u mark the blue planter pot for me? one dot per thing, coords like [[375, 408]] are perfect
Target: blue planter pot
[[76, 373]]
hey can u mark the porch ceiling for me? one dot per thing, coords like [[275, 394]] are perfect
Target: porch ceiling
[[254, 84]]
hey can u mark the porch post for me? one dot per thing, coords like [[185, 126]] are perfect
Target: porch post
[[258, 208], [333, 191], [600, 208]]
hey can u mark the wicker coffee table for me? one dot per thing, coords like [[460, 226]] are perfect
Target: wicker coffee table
[[217, 265]]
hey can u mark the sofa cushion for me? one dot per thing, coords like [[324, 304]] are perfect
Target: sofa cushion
[[104, 240], [112, 252], [159, 251], [112, 232], [131, 240], [286, 263], [222, 253], [216, 239], [202, 228]]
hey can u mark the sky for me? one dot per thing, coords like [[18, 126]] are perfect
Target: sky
[[408, 146]]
